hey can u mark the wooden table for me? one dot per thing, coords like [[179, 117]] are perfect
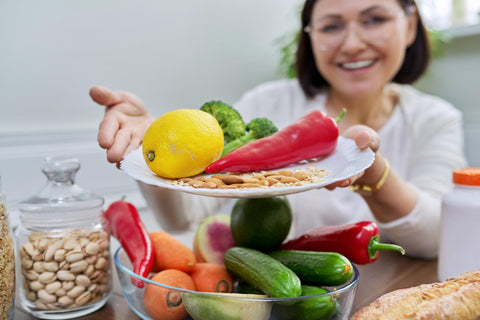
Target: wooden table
[[390, 272]]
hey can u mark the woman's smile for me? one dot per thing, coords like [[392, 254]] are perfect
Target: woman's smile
[[357, 65]]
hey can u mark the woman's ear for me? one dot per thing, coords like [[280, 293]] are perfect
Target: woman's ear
[[412, 22]]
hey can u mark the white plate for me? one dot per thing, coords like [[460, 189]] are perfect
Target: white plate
[[346, 161]]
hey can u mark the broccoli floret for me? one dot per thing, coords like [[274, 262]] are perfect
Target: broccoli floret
[[229, 119], [256, 129]]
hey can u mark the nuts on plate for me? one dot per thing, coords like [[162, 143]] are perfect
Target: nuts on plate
[[262, 179]]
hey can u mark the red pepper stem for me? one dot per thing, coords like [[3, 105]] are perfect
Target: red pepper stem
[[340, 117], [374, 246]]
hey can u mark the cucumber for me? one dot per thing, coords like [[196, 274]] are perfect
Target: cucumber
[[243, 287], [262, 272], [226, 306], [316, 307], [319, 268]]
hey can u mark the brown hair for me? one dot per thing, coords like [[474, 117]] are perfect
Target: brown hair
[[417, 55]]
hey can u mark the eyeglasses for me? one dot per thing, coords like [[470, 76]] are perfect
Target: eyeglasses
[[374, 27]]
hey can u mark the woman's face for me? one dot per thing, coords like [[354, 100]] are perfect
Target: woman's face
[[360, 45]]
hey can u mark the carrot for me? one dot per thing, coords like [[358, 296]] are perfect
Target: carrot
[[170, 253], [164, 303], [211, 277]]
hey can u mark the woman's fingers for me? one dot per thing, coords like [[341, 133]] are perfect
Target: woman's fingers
[[117, 150], [105, 96], [365, 137]]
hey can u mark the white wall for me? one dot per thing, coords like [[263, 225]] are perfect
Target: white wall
[[455, 77], [170, 53]]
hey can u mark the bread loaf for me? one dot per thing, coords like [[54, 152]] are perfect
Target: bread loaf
[[455, 298]]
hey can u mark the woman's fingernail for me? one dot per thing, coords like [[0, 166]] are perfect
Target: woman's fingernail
[[345, 183]]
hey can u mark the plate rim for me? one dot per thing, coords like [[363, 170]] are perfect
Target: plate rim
[[367, 156]]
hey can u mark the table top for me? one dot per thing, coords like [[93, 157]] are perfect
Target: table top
[[390, 272]]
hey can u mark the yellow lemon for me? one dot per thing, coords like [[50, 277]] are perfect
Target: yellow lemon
[[182, 143]]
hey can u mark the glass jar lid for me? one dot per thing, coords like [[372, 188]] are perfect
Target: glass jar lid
[[61, 200]]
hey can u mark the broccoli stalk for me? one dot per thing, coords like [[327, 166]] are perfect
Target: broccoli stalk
[[256, 129], [229, 119]]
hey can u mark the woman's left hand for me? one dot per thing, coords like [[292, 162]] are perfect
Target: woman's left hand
[[364, 137]]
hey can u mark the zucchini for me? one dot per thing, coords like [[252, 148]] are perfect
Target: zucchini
[[318, 268], [262, 272]]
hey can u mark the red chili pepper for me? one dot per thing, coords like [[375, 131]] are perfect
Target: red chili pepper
[[313, 135], [126, 226], [359, 242]]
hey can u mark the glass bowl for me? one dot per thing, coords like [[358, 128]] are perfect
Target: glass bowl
[[335, 304]]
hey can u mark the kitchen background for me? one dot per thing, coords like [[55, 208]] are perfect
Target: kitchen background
[[172, 54]]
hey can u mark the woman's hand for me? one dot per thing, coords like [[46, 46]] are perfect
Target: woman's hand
[[364, 137], [125, 121]]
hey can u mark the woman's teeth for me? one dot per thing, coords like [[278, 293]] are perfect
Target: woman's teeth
[[357, 65]]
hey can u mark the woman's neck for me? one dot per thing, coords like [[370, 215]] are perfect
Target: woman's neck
[[372, 110]]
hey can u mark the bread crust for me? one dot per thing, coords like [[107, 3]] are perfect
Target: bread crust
[[455, 298]]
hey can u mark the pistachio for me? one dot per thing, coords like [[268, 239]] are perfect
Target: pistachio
[[31, 295], [51, 249], [101, 263], [46, 297], [91, 259], [59, 255], [83, 280], [65, 301], [31, 275], [38, 267], [40, 305], [70, 244], [65, 275], [74, 256], [92, 248], [84, 298], [30, 249], [27, 263], [89, 270], [60, 292], [53, 287], [83, 242], [79, 266], [75, 292], [50, 266], [36, 285], [68, 285], [47, 277]]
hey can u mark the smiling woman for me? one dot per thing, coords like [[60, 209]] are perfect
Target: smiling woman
[[344, 61]]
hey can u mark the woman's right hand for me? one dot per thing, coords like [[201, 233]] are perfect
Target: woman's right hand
[[125, 121]]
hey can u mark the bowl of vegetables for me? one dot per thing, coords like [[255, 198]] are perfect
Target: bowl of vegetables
[[250, 285]]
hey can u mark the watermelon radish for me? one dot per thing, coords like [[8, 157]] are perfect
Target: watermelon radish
[[213, 238]]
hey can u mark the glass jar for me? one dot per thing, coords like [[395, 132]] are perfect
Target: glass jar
[[64, 251], [7, 263], [459, 245]]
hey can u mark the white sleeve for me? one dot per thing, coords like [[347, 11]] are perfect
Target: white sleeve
[[437, 149], [180, 211], [417, 232]]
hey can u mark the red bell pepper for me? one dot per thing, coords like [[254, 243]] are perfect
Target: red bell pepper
[[125, 225], [359, 242], [313, 135]]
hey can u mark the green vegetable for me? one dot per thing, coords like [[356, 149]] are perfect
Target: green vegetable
[[226, 306], [229, 119], [318, 306], [262, 272], [256, 129], [319, 268]]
